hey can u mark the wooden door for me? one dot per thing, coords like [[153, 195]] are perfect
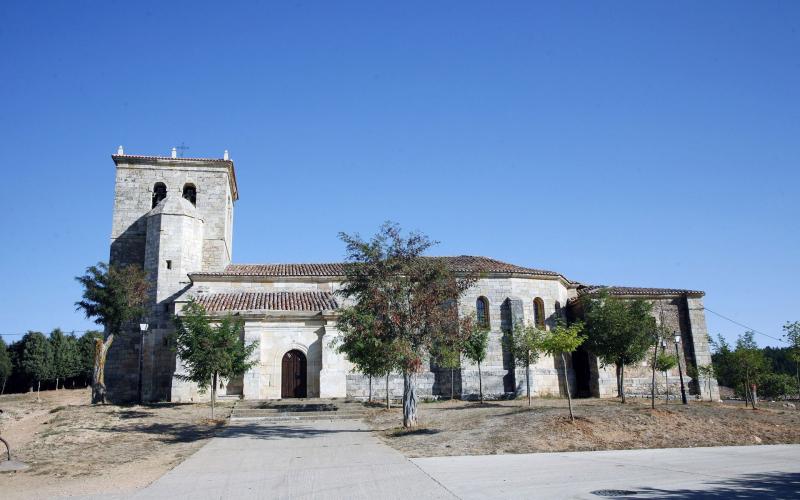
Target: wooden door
[[293, 375]]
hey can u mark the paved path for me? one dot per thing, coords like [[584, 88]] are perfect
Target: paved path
[[342, 459], [319, 459], [723, 472]]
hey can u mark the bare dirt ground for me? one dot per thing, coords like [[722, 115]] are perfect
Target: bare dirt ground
[[469, 428], [75, 448]]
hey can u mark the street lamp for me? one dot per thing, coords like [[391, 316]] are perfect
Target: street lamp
[[680, 371], [143, 327]]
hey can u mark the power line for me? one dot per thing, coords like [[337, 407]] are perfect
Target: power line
[[745, 326]]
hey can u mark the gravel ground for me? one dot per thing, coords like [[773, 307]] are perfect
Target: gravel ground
[[469, 428], [75, 448]]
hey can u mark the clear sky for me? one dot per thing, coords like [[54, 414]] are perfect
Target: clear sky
[[630, 143]]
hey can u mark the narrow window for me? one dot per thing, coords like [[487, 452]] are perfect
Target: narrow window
[[538, 313], [169, 264], [482, 307], [558, 310], [190, 193], [159, 193]]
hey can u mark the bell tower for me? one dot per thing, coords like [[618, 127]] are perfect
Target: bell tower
[[172, 217]]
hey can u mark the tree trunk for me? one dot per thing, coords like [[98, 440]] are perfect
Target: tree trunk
[[754, 394], [388, 401], [452, 383], [480, 382], [566, 385], [38, 388], [369, 399], [98, 374], [746, 395], [3, 390], [653, 387], [666, 381], [528, 376], [213, 394], [797, 367], [56, 383], [409, 400], [622, 382]]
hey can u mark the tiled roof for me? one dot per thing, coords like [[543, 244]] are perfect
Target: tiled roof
[[461, 263], [269, 301], [634, 290]]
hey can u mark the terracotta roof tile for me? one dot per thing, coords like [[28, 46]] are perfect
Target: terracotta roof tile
[[269, 301], [461, 263], [628, 291]]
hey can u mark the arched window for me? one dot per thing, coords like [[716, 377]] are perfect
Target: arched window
[[190, 193], [538, 313], [159, 193], [482, 306]]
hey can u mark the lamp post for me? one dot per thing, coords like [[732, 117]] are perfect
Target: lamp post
[[680, 371], [142, 330]]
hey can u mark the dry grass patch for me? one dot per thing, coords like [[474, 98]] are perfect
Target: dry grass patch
[[469, 428]]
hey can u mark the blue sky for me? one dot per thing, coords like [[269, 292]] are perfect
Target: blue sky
[[630, 143]]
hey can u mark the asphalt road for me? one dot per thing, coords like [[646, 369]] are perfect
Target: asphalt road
[[342, 459]]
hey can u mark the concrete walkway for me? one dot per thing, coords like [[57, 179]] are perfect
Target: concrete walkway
[[319, 459], [343, 459], [686, 473]]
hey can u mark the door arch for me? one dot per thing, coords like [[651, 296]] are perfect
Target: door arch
[[293, 375]]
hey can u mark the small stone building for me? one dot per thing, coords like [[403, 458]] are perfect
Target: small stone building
[[174, 217]]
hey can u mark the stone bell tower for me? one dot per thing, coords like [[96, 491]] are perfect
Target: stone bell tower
[[172, 216]]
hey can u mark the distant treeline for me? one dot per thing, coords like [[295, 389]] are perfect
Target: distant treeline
[[47, 362]]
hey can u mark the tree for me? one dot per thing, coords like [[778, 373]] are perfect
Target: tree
[[85, 357], [6, 367], [776, 385], [525, 345], [664, 363], [448, 356], [619, 332], [751, 362], [562, 339], [37, 359], [475, 349], [708, 373], [792, 336], [210, 352], [64, 356], [371, 354], [413, 299], [114, 297]]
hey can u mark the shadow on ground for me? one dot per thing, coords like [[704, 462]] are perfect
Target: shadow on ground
[[187, 433], [768, 485]]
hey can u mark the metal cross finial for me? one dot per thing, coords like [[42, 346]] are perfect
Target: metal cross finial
[[183, 147]]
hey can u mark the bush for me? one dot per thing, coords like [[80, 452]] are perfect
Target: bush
[[775, 385]]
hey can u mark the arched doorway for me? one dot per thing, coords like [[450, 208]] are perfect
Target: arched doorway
[[293, 375]]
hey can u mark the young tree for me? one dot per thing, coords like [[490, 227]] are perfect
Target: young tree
[[211, 351], [371, 354], [114, 297], [751, 362], [413, 299], [525, 345], [475, 350], [664, 363], [708, 373], [792, 336], [563, 339], [37, 359], [85, 358], [448, 357], [5, 365], [619, 332]]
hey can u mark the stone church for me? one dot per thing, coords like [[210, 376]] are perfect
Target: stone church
[[174, 217]]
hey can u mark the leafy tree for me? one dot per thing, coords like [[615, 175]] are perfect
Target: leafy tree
[[36, 361], [776, 385], [724, 363], [708, 373], [525, 345], [664, 363], [619, 332], [210, 352], [751, 362], [5, 365], [114, 297], [65, 356], [562, 339], [475, 350], [449, 356], [85, 356], [370, 353], [412, 299], [792, 336]]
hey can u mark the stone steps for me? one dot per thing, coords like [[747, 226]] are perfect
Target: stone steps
[[294, 410]]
